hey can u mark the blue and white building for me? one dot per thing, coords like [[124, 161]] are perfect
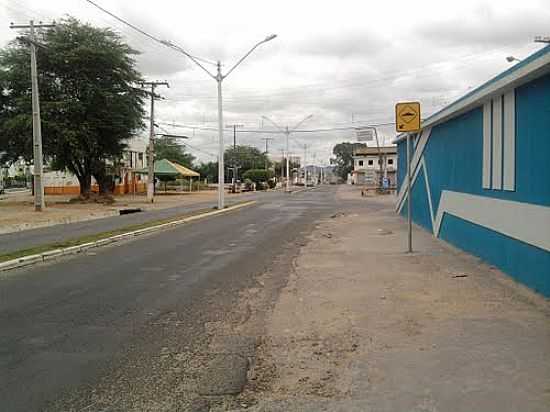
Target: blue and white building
[[481, 172]]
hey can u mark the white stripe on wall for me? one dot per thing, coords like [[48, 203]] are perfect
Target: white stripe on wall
[[417, 154], [509, 137], [497, 143], [486, 183], [518, 220]]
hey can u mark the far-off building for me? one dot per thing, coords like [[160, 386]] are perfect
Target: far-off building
[[367, 162], [481, 172]]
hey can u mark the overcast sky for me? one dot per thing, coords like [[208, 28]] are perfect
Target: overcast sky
[[338, 60]]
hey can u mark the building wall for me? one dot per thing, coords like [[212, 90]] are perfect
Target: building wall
[[492, 202]]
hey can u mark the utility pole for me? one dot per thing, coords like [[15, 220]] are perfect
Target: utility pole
[[151, 148], [267, 139], [234, 166], [38, 171], [305, 165]]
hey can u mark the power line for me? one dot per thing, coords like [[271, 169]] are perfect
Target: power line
[[141, 31]]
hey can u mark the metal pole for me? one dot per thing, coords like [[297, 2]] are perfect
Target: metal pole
[[151, 153], [221, 177], [409, 209], [38, 172], [379, 159], [287, 162], [234, 158]]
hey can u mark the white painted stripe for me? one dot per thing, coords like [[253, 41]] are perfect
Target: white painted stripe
[[428, 192], [486, 180], [497, 143], [509, 141], [525, 222], [417, 154]]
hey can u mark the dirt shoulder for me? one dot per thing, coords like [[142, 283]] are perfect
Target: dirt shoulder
[[17, 210], [363, 326]]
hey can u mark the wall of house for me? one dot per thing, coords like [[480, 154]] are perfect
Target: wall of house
[[483, 183]]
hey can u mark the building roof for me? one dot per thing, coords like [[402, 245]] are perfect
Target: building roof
[[530, 68], [373, 150], [165, 167]]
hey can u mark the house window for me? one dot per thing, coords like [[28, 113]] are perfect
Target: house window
[[390, 161], [371, 162], [360, 163]]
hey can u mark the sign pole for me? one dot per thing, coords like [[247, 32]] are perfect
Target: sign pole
[[407, 120], [409, 208]]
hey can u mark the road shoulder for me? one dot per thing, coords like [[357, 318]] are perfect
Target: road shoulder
[[363, 326]]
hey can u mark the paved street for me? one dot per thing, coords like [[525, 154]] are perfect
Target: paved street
[[62, 325], [302, 302]]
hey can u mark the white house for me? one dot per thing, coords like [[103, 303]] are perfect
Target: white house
[[366, 165]]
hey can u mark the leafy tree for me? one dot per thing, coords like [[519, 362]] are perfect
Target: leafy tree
[[246, 157], [258, 175], [89, 103], [168, 148], [344, 157], [209, 170]]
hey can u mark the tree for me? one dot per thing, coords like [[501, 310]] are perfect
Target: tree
[[167, 148], [344, 157], [209, 170], [259, 176], [89, 103], [246, 157]]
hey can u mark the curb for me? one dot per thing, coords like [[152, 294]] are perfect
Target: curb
[[72, 250]]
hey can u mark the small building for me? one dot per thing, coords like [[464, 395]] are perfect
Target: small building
[[128, 180], [481, 172], [366, 165]]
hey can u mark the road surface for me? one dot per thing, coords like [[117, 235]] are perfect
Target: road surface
[[94, 330]]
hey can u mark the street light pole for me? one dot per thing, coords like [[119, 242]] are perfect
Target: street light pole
[[221, 175], [287, 132], [219, 77]]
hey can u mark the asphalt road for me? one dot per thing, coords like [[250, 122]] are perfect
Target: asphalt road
[[26, 239], [68, 326]]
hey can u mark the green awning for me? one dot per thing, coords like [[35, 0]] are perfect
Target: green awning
[[165, 167]]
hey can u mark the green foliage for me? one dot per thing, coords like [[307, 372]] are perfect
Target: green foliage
[[344, 157], [259, 176], [209, 171], [168, 148], [246, 157], [90, 104]]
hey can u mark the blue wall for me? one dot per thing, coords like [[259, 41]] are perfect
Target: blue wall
[[454, 159]]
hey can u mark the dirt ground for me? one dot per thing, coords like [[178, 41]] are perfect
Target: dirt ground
[[17, 209], [362, 326]]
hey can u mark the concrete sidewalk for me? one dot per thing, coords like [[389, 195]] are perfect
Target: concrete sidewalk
[[362, 326]]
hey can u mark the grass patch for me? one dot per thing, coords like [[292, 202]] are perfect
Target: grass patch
[[98, 236]]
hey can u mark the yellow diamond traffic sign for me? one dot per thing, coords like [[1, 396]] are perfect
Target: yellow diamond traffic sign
[[407, 117]]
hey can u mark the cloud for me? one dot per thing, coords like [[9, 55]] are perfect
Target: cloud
[[486, 27]]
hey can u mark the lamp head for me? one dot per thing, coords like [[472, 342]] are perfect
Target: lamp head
[[270, 37]]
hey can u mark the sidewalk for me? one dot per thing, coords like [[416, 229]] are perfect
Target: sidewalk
[[361, 326], [17, 209]]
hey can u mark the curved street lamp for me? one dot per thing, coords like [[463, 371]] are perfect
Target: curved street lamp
[[219, 77]]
